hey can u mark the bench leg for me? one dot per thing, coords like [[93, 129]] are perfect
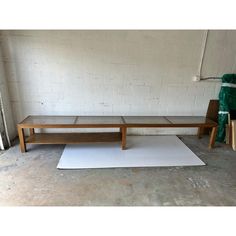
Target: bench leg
[[199, 132], [22, 139], [31, 131], [212, 137], [123, 138]]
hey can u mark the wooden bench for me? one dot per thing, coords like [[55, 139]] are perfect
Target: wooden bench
[[120, 122]]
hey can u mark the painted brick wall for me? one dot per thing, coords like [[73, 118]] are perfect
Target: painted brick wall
[[114, 72], [4, 93]]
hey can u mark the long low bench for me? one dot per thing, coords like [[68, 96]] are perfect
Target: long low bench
[[120, 122]]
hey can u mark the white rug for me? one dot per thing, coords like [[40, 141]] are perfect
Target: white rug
[[142, 151]]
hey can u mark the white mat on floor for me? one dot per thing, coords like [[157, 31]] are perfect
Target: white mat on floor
[[142, 151]]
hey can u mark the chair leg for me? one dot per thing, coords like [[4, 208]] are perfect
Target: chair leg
[[199, 132], [212, 137]]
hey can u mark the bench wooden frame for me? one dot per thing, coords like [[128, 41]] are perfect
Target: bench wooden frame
[[124, 122]]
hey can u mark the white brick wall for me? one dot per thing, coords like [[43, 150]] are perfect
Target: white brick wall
[[4, 93], [114, 72]]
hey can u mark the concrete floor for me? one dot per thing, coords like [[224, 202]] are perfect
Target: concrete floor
[[32, 179]]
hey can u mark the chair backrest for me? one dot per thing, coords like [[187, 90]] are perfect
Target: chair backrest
[[212, 113], [213, 109]]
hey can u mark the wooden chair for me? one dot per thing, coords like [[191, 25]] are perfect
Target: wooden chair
[[212, 113]]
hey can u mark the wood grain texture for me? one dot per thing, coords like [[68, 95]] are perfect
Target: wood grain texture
[[73, 138], [212, 110], [31, 131], [21, 139], [212, 137], [123, 141], [212, 114]]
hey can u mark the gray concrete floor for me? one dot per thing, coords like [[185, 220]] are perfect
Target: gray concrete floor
[[32, 179]]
